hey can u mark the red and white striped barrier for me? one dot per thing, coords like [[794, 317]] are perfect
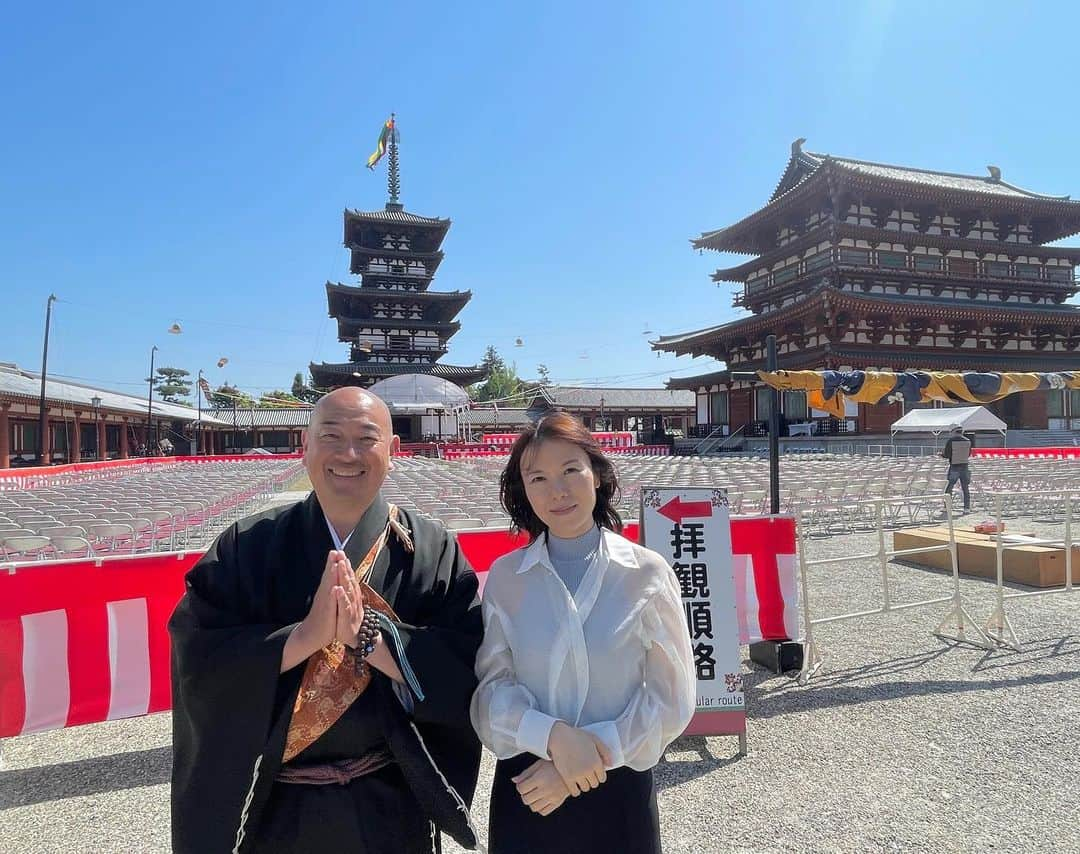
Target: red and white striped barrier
[[473, 453], [37, 477], [1064, 453], [463, 453], [641, 451], [86, 641], [609, 440]]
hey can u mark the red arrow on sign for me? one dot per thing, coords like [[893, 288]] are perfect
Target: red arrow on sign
[[677, 510]]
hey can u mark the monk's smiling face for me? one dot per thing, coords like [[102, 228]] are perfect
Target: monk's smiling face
[[347, 450]]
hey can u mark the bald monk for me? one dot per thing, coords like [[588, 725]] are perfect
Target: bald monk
[[322, 666]]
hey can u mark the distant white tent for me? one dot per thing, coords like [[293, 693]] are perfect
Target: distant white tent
[[419, 394], [938, 421]]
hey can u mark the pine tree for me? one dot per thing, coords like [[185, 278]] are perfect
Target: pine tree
[[172, 385], [502, 381]]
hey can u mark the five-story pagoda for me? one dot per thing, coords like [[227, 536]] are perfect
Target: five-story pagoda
[[394, 324]]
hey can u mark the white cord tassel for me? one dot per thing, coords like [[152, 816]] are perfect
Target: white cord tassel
[[400, 530]]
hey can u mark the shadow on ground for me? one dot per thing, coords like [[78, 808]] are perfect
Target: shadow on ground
[[23, 787], [676, 768], [841, 688]]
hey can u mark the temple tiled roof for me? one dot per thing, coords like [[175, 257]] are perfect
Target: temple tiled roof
[[635, 399], [688, 342], [461, 374], [398, 216], [385, 294], [698, 380], [930, 177], [497, 418], [19, 384], [249, 418], [805, 176]]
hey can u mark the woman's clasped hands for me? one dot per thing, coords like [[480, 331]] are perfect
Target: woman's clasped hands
[[578, 762]]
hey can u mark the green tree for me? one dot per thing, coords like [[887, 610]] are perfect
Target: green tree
[[544, 374], [227, 396], [276, 399], [303, 391], [172, 384], [492, 361], [502, 381]]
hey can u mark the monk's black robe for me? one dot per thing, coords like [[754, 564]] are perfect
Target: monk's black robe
[[231, 706]]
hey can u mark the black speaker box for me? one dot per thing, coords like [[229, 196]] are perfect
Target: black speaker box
[[777, 656]]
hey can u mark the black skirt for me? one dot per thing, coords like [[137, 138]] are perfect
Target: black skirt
[[620, 816]]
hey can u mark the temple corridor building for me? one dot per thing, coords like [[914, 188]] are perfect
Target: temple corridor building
[[868, 265]]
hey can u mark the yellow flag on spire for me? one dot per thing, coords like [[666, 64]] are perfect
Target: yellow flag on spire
[[380, 146]]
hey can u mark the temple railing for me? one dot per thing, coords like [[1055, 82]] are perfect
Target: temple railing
[[1064, 278]]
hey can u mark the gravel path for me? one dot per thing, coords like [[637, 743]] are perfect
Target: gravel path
[[902, 742]]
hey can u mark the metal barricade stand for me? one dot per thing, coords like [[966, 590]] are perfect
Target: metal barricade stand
[[956, 621], [998, 627]]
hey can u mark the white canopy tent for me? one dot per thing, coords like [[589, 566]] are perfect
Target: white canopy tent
[[937, 421], [414, 394], [428, 402]]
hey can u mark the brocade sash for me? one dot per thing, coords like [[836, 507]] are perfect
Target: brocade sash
[[331, 684]]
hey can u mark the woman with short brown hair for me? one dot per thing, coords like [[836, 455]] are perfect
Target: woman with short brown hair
[[586, 673]]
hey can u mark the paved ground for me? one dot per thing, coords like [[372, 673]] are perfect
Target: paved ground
[[903, 742]]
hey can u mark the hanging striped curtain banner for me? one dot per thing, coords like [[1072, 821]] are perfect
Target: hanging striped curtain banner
[[827, 390]]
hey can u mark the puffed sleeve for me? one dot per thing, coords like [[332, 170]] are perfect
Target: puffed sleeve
[[504, 712], [662, 707]]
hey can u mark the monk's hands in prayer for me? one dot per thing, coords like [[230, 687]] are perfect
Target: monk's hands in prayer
[[322, 619], [541, 788], [319, 627], [350, 616], [350, 603], [578, 756]]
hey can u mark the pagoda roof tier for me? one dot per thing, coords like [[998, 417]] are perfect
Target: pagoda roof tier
[[350, 327], [327, 374], [830, 232], [810, 177], [354, 301], [828, 300], [361, 226], [361, 254]]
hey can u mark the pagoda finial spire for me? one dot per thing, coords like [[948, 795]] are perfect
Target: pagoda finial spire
[[393, 175]]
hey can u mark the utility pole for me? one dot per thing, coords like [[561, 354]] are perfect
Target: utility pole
[[198, 428], [150, 399], [43, 421], [774, 429]]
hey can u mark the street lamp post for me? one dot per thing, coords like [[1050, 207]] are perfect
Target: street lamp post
[[198, 422], [150, 399], [95, 404], [43, 420]]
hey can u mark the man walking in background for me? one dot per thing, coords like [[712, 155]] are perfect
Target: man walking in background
[[958, 452]]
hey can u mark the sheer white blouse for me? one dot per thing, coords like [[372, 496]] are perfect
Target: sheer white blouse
[[614, 659]]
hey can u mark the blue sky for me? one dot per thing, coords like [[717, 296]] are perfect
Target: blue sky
[[190, 162]]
